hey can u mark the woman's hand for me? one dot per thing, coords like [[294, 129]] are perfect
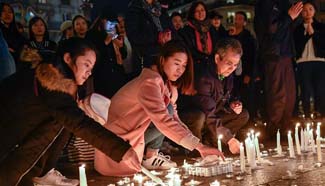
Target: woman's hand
[[206, 151]]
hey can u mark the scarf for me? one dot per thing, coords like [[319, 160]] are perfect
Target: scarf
[[202, 35], [154, 10]]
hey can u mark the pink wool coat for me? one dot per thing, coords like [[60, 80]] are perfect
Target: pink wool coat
[[135, 105]]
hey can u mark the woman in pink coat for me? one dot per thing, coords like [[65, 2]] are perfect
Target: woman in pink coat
[[145, 100]]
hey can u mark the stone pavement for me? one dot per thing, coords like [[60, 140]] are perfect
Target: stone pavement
[[264, 175]]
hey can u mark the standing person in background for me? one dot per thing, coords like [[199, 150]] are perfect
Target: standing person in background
[[7, 62], [109, 75], [14, 39], [145, 32], [244, 81], [196, 34], [39, 38], [310, 47], [218, 31], [147, 99], [177, 24], [66, 30], [273, 26]]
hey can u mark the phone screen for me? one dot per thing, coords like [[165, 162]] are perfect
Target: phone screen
[[110, 28]]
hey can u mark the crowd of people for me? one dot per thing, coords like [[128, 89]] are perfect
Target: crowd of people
[[188, 79]]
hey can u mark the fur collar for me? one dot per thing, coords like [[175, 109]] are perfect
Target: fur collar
[[51, 79]]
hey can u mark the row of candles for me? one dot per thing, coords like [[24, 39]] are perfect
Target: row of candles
[[252, 152], [306, 142]]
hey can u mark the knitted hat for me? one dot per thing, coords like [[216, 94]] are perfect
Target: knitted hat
[[65, 25]]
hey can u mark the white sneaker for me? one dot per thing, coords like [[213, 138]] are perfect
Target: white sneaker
[[159, 161], [54, 178]]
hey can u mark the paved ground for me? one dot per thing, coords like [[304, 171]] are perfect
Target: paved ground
[[264, 175]]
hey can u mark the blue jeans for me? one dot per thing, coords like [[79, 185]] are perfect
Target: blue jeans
[[152, 136]]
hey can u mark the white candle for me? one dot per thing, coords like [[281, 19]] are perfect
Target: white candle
[[297, 139], [318, 128], [278, 143], [257, 146], [306, 139], [138, 178], [290, 143], [252, 155], [302, 137], [153, 177], [319, 150], [247, 142], [82, 175], [219, 143], [215, 183], [242, 158]]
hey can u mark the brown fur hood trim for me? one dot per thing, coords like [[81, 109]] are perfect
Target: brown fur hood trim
[[53, 80], [29, 55]]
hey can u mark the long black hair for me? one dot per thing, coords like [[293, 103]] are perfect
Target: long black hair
[[75, 47], [12, 26], [31, 34]]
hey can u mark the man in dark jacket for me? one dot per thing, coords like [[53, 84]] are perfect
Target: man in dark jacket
[[38, 106], [223, 116], [273, 23], [244, 80]]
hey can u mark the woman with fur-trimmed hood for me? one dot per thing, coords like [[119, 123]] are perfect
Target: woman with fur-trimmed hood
[[39, 105]]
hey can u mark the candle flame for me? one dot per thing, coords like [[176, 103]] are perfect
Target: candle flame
[[220, 136]]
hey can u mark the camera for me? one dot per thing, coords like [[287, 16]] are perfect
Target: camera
[[110, 28]]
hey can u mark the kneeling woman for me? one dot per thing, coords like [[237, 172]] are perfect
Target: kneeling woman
[[38, 106], [144, 100]]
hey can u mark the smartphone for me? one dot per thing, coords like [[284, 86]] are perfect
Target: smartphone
[[110, 28]]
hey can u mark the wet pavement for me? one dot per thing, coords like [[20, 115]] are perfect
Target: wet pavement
[[304, 169]]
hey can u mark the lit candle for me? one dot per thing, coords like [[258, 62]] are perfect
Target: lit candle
[[290, 143], [215, 183], [306, 139], [257, 146], [252, 155], [82, 175], [242, 158], [278, 143], [247, 147], [319, 150], [297, 139], [313, 147], [318, 128], [153, 177], [138, 178], [302, 137], [219, 143]]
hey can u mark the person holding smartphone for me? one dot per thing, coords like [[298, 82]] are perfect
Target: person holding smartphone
[[109, 75]]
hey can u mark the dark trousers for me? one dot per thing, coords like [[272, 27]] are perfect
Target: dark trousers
[[48, 160], [234, 121], [280, 93], [194, 119], [311, 76]]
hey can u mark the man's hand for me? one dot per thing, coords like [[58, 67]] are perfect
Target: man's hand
[[236, 106], [234, 145], [295, 10]]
